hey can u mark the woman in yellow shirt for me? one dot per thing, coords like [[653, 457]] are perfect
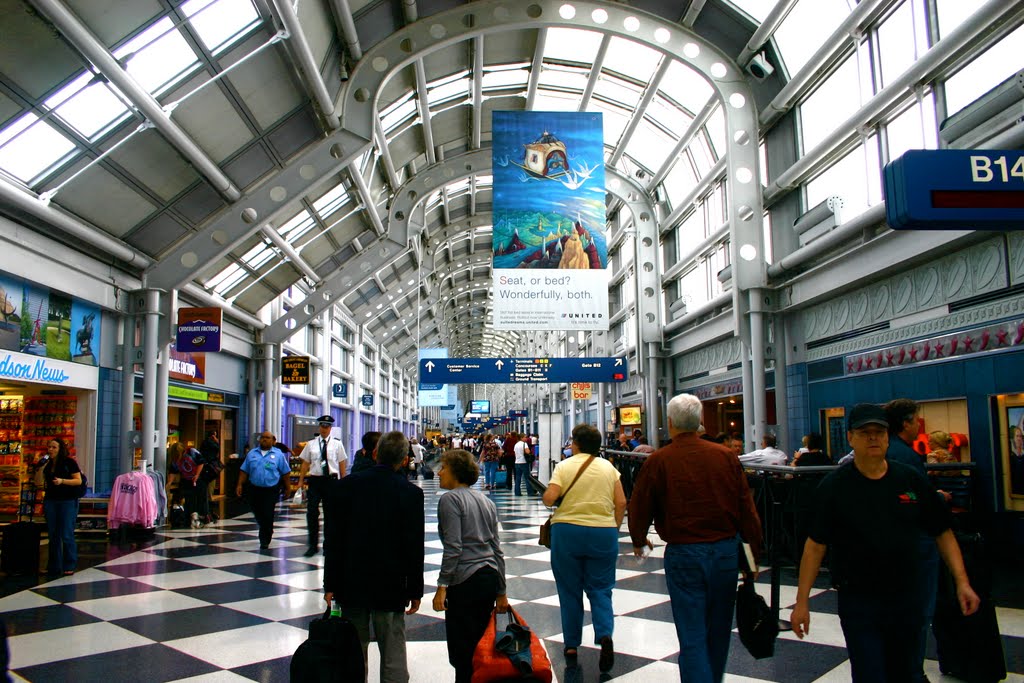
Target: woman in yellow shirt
[[585, 540]]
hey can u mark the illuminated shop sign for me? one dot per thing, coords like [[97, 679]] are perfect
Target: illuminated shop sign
[[31, 368]]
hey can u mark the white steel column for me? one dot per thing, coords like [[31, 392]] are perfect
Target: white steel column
[[127, 393], [760, 413], [150, 351]]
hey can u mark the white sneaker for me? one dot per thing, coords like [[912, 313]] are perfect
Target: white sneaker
[[195, 521]]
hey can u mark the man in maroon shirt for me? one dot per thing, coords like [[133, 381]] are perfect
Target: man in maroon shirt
[[697, 496]]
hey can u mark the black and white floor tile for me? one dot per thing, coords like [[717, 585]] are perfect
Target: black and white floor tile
[[206, 606]]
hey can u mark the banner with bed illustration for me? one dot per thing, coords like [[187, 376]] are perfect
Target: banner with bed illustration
[[550, 262]]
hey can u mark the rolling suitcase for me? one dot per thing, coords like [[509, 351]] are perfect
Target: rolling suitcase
[[969, 648], [19, 553]]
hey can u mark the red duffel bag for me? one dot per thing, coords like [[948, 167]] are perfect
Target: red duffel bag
[[512, 654]]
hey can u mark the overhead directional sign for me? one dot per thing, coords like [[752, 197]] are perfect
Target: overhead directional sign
[[955, 189], [522, 370]]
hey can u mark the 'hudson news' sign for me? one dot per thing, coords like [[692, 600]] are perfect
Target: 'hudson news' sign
[[29, 368]]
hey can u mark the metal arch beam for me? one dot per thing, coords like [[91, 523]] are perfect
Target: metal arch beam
[[595, 72], [699, 119], [364, 196], [266, 202], [423, 103], [79, 35], [641, 109], [489, 16]]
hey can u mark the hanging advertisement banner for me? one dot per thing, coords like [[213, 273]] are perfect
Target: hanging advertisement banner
[[47, 323], [550, 261], [187, 367], [199, 329]]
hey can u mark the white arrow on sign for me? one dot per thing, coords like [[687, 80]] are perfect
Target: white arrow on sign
[[618, 361], [499, 363], [429, 365]]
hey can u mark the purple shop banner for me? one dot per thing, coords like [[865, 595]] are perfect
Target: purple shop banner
[[199, 329]]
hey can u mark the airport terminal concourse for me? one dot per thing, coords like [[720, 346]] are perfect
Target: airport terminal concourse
[[223, 221]]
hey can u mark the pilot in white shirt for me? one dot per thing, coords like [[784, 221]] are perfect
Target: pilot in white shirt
[[323, 462]]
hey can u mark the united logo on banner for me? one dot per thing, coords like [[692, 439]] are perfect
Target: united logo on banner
[[550, 255]]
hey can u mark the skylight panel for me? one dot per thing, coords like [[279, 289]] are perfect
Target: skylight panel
[[87, 104], [668, 116], [258, 255], [448, 91], [30, 146], [563, 79], [226, 279], [649, 147], [686, 86], [297, 227], [572, 45], [615, 121], [158, 56], [757, 9], [396, 116], [504, 79], [617, 90], [548, 100], [716, 131], [332, 201], [631, 59], [219, 22]]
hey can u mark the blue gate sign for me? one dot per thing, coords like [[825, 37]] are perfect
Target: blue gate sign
[[522, 370], [955, 189], [339, 390], [367, 400]]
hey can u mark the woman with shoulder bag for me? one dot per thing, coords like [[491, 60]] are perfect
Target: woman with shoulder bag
[[585, 540], [63, 478]]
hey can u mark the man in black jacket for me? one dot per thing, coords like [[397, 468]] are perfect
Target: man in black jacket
[[373, 564]]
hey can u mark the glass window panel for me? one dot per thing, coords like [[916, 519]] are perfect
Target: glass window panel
[[763, 165], [86, 106], [952, 13], [30, 146], [331, 202], [218, 22], [700, 151], [693, 287], [831, 104], [908, 131], [157, 64], [987, 71], [668, 115], [855, 178], [617, 90], [615, 121], [631, 59], [572, 45], [448, 91], [897, 52], [227, 279], [561, 78], [757, 9], [297, 226], [394, 116], [680, 180], [506, 78], [649, 147], [714, 206], [686, 86], [805, 28], [258, 256], [716, 131], [548, 100]]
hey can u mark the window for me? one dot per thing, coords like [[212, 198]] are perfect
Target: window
[[987, 71], [87, 104], [856, 178], [158, 57], [913, 129], [30, 146], [808, 18], [902, 38], [218, 23], [368, 374], [832, 103]]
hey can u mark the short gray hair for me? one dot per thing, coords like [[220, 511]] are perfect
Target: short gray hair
[[684, 412]]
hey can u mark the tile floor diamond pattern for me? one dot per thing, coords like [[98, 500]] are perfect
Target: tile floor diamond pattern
[[207, 606]]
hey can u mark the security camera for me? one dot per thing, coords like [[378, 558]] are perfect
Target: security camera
[[759, 67], [343, 72]]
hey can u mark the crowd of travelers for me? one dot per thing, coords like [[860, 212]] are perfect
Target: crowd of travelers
[[693, 489]]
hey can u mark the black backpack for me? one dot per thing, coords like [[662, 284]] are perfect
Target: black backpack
[[331, 654]]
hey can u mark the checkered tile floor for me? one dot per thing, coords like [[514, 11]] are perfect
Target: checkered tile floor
[[207, 606]]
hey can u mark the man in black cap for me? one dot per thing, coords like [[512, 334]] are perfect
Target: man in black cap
[[323, 459], [871, 514]]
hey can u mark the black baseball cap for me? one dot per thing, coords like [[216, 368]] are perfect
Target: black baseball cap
[[325, 420], [864, 414]]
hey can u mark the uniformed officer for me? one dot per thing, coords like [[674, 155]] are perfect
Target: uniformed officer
[[262, 469], [323, 459]]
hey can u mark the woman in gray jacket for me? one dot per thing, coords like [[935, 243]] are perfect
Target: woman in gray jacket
[[471, 582]]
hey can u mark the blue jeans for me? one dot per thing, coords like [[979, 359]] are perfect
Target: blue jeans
[[877, 628], [490, 472], [521, 470], [702, 580], [583, 560], [60, 527]]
